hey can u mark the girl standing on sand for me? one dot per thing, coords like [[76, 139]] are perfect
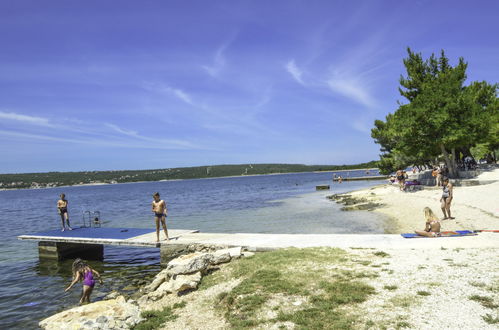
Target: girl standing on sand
[[83, 272], [432, 228], [446, 199]]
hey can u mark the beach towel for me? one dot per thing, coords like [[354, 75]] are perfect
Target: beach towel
[[456, 233]]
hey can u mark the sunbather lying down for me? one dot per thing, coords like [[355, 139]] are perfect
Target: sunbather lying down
[[432, 228]]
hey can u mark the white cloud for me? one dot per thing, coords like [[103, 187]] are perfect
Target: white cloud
[[352, 89], [218, 62], [25, 118], [295, 72]]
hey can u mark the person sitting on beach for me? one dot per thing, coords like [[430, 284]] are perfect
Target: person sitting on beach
[[83, 272], [62, 208], [160, 213], [446, 199], [432, 228]]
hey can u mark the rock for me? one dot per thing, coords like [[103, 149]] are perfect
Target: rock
[[181, 283], [104, 314], [235, 252], [219, 257], [112, 295], [188, 264], [247, 254], [158, 280]]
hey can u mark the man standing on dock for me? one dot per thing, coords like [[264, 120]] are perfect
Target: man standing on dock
[[62, 208], [160, 213]]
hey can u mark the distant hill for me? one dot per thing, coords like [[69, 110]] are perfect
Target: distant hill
[[55, 179]]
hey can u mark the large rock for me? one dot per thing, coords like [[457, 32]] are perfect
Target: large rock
[[181, 283], [177, 283], [189, 263], [158, 280], [105, 314]]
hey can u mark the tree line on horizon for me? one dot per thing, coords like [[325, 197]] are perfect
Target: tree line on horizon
[[55, 179], [443, 120]]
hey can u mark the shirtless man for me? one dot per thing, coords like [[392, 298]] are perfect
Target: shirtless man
[[160, 213], [62, 208], [446, 199]]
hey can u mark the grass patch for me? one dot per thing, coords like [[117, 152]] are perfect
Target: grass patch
[[381, 254], [423, 293], [321, 275], [154, 319], [402, 301], [403, 324], [433, 284], [323, 312], [390, 287], [485, 301], [491, 319], [477, 284]]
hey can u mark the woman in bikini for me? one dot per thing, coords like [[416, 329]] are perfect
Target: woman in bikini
[[83, 272], [446, 199], [432, 228]]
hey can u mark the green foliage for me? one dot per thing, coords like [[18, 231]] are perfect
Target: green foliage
[[490, 319], [485, 301], [423, 293], [441, 117], [320, 277], [25, 180], [154, 319]]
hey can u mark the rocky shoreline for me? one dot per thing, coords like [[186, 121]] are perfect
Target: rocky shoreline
[[181, 276]]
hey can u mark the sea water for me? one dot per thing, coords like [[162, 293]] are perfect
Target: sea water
[[286, 203]]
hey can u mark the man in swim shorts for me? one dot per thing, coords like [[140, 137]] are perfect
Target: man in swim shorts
[[160, 213], [62, 208]]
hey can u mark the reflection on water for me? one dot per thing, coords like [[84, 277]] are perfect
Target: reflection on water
[[33, 289]]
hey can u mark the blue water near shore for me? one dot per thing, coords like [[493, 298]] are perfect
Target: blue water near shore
[[287, 203]]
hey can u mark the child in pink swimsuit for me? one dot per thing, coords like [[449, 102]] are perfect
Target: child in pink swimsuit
[[82, 271]]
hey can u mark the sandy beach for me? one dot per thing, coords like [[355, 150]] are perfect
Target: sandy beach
[[474, 207]]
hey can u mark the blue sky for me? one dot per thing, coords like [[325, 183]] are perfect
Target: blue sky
[[98, 85]]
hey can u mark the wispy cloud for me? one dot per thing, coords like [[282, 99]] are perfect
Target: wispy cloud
[[219, 60], [351, 88], [295, 72], [25, 118]]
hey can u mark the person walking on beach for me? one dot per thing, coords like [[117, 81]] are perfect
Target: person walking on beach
[[432, 228], [446, 199], [439, 177], [401, 179], [160, 213], [62, 208], [83, 272]]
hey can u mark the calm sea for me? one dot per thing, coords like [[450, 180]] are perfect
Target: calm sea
[[288, 203]]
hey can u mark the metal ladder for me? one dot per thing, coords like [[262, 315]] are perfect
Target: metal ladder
[[91, 218]]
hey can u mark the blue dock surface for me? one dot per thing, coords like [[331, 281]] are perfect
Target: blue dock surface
[[97, 233]]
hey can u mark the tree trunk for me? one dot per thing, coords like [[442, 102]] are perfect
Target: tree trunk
[[451, 165]]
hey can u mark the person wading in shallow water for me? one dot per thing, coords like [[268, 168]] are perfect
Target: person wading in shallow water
[[62, 208], [83, 272], [447, 195], [160, 213]]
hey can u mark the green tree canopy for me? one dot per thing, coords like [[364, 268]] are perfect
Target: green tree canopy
[[442, 115]]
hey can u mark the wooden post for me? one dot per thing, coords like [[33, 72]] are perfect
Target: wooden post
[[60, 251]]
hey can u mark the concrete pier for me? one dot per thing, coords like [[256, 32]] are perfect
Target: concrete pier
[[60, 251], [360, 178], [90, 241]]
